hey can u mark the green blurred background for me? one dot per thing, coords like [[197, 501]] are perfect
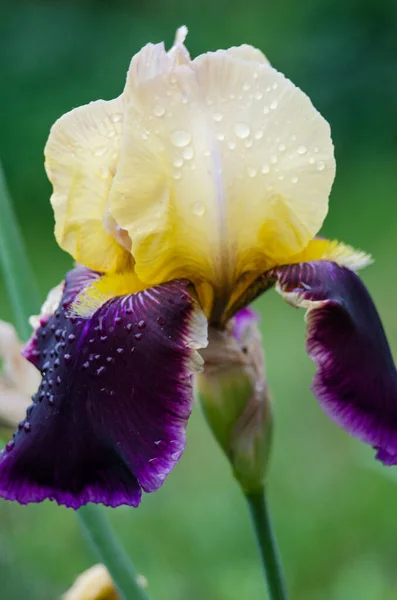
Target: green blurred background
[[334, 508]]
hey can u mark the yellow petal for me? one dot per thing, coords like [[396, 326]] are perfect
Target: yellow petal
[[247, 52], [225, 167], [93, 584], [342, 254], [81, 159]]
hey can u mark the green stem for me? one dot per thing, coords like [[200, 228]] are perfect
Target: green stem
[[25, 300], [18, 275], [110, 552], [267, 545]]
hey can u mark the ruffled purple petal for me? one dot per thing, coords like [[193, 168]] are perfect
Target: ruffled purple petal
[[356, 379], [110, 416]]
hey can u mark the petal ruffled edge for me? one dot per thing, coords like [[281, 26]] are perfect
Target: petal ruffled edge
[[356, 379], [109, 418]]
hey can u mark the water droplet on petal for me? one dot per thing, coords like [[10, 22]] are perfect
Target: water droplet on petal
[[259, 134], [188, 153], [265, 110], [274, 105], [116, 117], [248, 143], [320, 166], [273, 159], [294, 179], [178, 162], [246, 86], [232, 145], [275, 86], [159, 110], [301, 150], [220, 136], [258, 95], [311, 160], [281, 177], [281, 147], [242, 130], [100, 151], [177, 175], [265, 169], [180, 138], [217, 117], [251, 171], [199, 209], [104, 172]]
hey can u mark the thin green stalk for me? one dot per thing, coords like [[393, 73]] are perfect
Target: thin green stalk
[[21, 286], [267, 545], [18, 275], [110, 552]]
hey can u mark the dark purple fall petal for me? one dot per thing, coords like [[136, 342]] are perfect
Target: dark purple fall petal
[[356, 380], [110, 415]]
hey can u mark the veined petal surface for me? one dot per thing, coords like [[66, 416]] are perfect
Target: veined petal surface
[[225, 167], [81, 159], [356, 379], [110, 415]]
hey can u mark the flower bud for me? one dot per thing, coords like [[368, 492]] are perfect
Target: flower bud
[[235, 399]]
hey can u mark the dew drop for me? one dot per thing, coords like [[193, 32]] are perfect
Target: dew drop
[[258, 95], [180, 138], [104, 172], [301, 150], [231, 145], [10, 445], [217, 117], [199, 209], [259, 134], [265, 110], [273, 159], [248, 143], [100, 151], [274, 105], [280, 177], [221, 137], [159, 110], [242, 130], [311, 160], [188, 153], [27, 426], [178, 162], [251, 171], [141, 324], [138, 336], [320, 166], [116, 117], [281, 147], [275, 86], [177, 175], [265, 169], [246, 86]]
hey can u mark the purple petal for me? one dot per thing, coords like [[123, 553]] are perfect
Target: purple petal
[[110, 416], [244, 319], [356, 380]]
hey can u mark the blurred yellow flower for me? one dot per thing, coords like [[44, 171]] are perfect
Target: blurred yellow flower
[[96, 584], [214, 169]]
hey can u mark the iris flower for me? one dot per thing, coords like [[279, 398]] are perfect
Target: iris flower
[[202, 185]]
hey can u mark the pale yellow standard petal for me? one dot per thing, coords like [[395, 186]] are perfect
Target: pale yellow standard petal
[[81, 159], [343, 254], [225, 168]]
